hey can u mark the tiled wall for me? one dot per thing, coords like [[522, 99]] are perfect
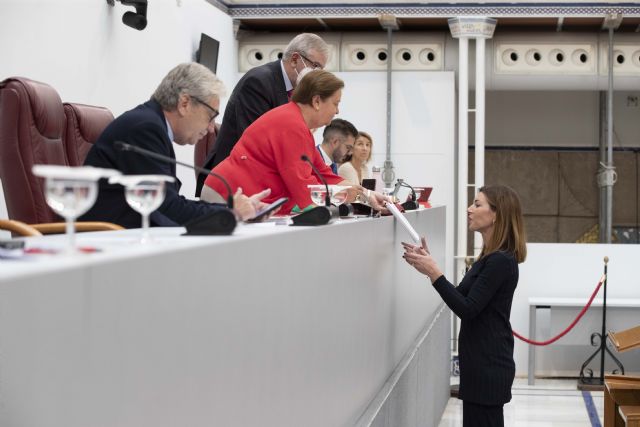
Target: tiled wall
[[558, 189]]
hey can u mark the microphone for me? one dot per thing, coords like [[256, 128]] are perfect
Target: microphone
[[123, 146], [221, 222], [327, 198], [320, 215], [411, 203]]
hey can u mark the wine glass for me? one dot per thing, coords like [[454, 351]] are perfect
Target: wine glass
[[318, 193], [71, 191], [145, 194], [338, 194]]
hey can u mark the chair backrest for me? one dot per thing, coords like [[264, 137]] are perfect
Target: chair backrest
[[204, 147], [84, 124], [31, 128]]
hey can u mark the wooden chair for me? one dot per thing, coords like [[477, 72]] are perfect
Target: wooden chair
[[630, 415], [622, 391], [18, 228]]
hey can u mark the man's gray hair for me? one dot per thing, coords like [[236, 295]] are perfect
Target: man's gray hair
[[191, 79], [305, 42]]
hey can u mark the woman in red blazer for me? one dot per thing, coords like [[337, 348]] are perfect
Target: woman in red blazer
[[483, 303], [268, 154]]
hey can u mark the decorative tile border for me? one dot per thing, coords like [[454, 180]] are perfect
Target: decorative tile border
[[220, 5], [429, 10]]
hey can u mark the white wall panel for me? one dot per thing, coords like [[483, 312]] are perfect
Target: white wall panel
[[259, 49], [410, 52], [572, 271], [88, 55], [626, 55]]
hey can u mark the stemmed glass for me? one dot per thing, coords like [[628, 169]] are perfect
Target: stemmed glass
[[71, 191], [145, 194], [318, 193], [338, 194]]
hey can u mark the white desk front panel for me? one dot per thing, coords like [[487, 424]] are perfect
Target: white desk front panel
[[273, 326]]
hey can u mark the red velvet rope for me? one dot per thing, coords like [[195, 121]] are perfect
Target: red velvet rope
[[563, 333]]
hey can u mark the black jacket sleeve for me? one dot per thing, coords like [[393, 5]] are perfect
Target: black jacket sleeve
[[175, 207], [476, 290]]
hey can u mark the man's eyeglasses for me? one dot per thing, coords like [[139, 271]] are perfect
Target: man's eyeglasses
[[214, 113], [314, 65]]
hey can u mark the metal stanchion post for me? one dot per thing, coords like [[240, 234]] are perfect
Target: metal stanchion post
[[586, 380]]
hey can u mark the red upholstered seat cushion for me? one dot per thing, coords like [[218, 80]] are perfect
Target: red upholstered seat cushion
[[31, 129], [84, 124]]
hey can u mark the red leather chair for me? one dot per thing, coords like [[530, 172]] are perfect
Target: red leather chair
[[204, 147], [84, 124], [31, 127], [32, 123]]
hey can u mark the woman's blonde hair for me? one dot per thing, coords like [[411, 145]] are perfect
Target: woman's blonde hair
[[361, 134], [508, 229]]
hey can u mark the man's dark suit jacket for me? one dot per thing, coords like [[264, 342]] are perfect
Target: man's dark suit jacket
[[258, 91], [483, 303], [144, 127]]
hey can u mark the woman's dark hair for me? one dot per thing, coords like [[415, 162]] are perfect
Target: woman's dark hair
[[316, 82], [508, 230]]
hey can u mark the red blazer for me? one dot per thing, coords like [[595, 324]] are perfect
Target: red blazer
[[267, 155]]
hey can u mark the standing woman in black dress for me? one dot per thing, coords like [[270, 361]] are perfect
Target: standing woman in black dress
[[483, 303]]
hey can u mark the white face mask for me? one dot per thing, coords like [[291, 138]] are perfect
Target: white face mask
[[301, 74]]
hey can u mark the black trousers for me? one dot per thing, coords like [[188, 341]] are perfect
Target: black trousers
[[475, 415]]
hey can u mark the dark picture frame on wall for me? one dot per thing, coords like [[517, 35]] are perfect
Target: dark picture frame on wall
[[207, 54]]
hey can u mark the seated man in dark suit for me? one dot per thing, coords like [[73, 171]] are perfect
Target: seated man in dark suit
[[262, 89], [182, 109], [338, 139]]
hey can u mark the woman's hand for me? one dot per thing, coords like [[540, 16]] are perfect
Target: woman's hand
[[353, 192], [377, 200], [420, 258], [357, 193]]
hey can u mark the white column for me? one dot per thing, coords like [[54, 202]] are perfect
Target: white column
[[463, 150], [479, 124]]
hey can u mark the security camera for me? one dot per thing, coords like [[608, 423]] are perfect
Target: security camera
[[134, 20], [137, 19]]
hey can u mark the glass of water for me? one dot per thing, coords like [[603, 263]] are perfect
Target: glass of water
[[71, 191], [318, 193], [338, 194], [145, 194]]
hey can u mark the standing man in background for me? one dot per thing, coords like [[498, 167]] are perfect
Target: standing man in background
[[262, 89]]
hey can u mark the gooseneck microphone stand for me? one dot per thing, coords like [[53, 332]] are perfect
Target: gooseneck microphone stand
[[123, 146], [221, 222], [587, 380], [319, 215]]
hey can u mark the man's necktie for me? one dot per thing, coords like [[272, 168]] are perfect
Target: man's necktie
[[289, 92], [334, 168]]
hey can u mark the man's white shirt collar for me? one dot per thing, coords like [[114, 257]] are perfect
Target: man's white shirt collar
[[169, 130], [287, 83], [325, 156]]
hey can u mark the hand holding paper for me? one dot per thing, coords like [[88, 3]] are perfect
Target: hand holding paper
[[420, 258], [403, 220]]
